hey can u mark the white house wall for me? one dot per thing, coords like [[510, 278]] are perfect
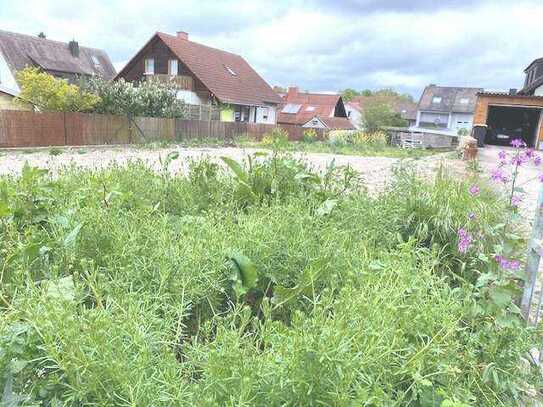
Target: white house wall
[[462, 121], [189, 97], [538, 91], [7, 80], [271, 115], [354, 116]]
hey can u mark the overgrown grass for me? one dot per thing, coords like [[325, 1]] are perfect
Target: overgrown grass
[[263, 284]]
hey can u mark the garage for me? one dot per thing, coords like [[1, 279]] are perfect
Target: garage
[[506, 123], [506, 117]]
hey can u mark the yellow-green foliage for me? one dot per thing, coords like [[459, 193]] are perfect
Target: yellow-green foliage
[[364, 138], [310, 136], [276, 138], [51, 94]]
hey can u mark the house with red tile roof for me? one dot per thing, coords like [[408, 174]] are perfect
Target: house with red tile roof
[[205, 76], [405, 108], [313, 110]]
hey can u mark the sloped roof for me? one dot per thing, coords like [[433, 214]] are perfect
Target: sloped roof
[[21, 50], [406, 109], [310, 105], [228, 76], [337, 123], [451, 99]]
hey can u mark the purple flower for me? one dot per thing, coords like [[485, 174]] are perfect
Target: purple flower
[[537, 160], [541, 178], [502, 155], [464, 240], [514, 265], [474, 190], [519, 159], [517, 143], [515, 200], [529, 153], [497, 175]]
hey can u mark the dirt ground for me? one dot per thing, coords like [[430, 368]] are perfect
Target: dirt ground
[[376, 171]]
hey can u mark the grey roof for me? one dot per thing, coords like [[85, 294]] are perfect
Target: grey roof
[[22, 50], [451, 99]]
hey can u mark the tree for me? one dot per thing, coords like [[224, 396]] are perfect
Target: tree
[[42, 35], [380, 114], [349, 94], [149, 98], [48, 93]]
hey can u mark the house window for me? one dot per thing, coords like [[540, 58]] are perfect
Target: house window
[[265, 113], [172, 67], [310, 108], [436, 99], [464, 101], [230, 70], [149, 66], [96, 61]]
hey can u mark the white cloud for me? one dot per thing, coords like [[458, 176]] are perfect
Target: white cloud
[[358, 44]]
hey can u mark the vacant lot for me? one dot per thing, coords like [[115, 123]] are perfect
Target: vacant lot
[[263, 283], [374, 170]]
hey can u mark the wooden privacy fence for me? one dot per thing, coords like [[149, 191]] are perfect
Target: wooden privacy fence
[[32, 129]]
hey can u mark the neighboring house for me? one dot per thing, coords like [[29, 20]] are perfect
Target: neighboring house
[[205, 76], [313, 110], [533, 84], [446, 109], [355, 108], [62, 60]]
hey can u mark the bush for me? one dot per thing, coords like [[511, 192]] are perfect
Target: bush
[[310, 136], [276, 138], [262, 283], [48, 93], [148, 98]]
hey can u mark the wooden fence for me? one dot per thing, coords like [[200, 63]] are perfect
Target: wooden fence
[[32, 129]]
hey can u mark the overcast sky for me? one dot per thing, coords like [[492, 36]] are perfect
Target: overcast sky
[[318, 45]]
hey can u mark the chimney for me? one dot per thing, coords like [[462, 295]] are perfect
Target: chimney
[[74, 48], [183, 35], [292, 91], [512, 92]]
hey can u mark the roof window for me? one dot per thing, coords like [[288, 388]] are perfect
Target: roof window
[[291, 108], [230, 70], [96, 61], [436, 99], [310, 108], [464, 101]]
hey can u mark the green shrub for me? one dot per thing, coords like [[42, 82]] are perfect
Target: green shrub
[[260, 283], [276, 138], [310, 136]]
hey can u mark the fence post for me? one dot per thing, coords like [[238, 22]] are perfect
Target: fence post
[[532, 261]]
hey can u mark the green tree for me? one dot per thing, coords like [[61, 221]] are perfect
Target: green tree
[[348, 94], [48, 93], [380, 114], [148, 98]]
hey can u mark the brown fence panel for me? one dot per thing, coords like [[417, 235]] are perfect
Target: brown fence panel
[[95, 129], [153, 129], [28, 129]]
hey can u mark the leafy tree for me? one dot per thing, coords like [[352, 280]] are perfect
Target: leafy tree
[[149, 98], [48, 93], [381, 114], [366, 92], [348, 94]]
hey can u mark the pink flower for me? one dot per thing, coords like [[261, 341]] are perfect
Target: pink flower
[[515, 201], [502, 155], [464, 240], [514, 265], [497, 175], [507, 264], [517, 143], [474, 190]]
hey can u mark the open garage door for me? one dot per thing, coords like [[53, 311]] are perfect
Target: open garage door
[[506, 123]]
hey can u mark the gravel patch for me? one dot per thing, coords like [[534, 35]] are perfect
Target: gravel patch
[[376, 171]]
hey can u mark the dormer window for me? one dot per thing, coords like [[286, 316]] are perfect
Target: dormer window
[[96, 61], [230, 70], [436, 99], [172, 67], [149, 66]]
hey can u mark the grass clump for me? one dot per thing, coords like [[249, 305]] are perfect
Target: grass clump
[[256, 283]]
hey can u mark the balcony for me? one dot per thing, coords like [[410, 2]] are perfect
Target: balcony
[[183, 82]]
